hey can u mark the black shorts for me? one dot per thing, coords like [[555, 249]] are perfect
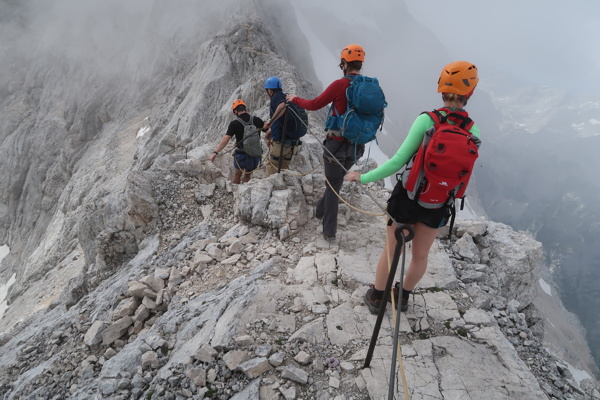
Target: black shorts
[[407, 211]]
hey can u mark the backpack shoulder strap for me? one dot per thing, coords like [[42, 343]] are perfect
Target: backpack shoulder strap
[[466, 124], [244, 123], [436, 116]]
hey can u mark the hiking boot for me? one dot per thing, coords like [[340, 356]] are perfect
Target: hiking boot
[[396, 291], [329, 238], [404, 305], [372, 303]]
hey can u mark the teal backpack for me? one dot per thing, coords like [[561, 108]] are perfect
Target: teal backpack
[[364, 114]]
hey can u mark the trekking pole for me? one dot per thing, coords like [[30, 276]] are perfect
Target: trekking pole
[[401, 239], [283, 131], [397, 324]]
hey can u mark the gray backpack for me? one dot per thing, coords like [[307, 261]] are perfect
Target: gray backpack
[[251, 143]]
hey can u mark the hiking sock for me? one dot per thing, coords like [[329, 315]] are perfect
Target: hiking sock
[[406, 293], [377, 294]]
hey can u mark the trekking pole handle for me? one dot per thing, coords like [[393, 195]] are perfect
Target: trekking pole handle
[[399, 233]]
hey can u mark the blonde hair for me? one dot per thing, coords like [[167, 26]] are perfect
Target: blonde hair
[[455, 98]]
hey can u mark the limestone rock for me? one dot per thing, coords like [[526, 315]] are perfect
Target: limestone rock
[[255, 367], [295, 374], [206, 354], [126, 307], [234, 358], [94, 335], [197, 376], [149, 360], [116, 330]]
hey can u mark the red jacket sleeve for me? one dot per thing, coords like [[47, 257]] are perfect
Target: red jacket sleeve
[[336, 93]]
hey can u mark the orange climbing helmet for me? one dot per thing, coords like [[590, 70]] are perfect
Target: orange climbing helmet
[[459, 77], [237, 103], [353, 52]]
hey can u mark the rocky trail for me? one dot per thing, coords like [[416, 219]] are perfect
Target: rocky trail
[[235, 295]]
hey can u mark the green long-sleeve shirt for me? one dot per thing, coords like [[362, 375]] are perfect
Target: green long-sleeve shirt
[[409, 147]]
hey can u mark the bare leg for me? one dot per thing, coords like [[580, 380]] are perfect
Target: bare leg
[[381, 274], [237, 175], [247, 177], [424, 238]]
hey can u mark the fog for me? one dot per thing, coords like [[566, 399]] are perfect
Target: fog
[[535, 42], [130, 40], [405, 57]]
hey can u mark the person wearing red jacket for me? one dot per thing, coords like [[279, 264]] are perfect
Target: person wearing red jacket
[[340, 152]]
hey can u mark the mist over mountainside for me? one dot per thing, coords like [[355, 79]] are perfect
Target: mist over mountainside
[[405, 56], [140, 271], [541, 176], [71, 104]]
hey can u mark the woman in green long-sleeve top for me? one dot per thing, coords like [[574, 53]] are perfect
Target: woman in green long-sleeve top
[[457, 83]]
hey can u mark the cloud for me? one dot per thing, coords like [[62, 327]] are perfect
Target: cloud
[[553, 43], [108, 37]]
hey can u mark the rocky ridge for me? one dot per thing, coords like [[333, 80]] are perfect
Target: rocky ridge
[[234, 295], [142, 273]]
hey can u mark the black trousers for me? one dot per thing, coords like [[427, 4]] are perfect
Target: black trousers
[[327, 206]]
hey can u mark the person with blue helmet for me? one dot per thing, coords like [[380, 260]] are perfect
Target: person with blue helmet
[[274, 127]]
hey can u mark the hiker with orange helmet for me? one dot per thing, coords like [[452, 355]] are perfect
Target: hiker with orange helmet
[[345, 152], [244, 158], [456, 83]]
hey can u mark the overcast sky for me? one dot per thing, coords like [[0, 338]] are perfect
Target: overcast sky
[[548, 42]]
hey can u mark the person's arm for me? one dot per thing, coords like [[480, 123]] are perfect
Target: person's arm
[[279, 111], [259, 123], [409, 147], [220, 147], [322, 100]]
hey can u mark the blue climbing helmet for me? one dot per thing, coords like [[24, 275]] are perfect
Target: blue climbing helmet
[[273, 82]]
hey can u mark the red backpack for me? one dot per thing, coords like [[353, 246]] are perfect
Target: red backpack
[[440, 170]]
